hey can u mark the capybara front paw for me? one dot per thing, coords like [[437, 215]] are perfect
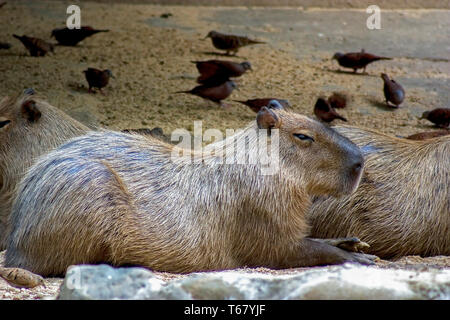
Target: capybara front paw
[[362, 258], [352, 244]]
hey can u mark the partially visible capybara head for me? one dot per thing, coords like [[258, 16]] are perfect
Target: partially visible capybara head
[[325, 161], [402, 206], [28, 128]]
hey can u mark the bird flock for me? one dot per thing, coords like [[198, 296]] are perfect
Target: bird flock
[[215, 80]]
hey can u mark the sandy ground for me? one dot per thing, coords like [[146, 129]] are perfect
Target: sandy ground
[[150, 58]]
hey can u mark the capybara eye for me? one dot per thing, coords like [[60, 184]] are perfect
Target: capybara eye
[[4, 123], [303, 137]]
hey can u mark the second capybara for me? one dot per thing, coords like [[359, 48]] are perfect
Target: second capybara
[[29, 127], [125, 199], [402, 206]]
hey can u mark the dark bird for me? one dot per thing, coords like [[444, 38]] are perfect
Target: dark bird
[[71, 37], [220, 71], [257, 104], [97, 78], [357, 60], [428, 135], [37, 47], [440, 117], [337, 100], [393, 91], [4, 45], [325, 112], [229, 42], [215, 93]]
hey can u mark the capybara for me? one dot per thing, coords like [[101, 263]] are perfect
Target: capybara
[[402, 206], [124, 199], [29, 127]]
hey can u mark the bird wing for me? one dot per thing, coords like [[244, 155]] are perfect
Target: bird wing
[[211, 72]]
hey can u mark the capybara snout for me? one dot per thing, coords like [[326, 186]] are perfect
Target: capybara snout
[[354, 165]]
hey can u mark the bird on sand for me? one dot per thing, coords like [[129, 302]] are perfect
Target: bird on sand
[[4, 45], [393, 91], [37, 47], [214, 93], [229, 42], [97, 78], [256, 104], [71, 37], [439, 116], [219, 71], [337, 100], [325, 112], [357, 60]]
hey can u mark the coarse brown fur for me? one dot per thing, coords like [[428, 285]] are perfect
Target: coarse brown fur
[[123, 199], [32, 128], [402, 206]]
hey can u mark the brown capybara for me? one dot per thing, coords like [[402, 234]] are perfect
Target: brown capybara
[[402, 206], [125, 199], [28, 128]]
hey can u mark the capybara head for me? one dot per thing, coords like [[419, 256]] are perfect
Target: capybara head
[[28, 128], [324, 161], [17, 115]]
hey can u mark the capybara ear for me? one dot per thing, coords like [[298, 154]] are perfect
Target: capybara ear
[[274, 104], [267, 119], [29, 91], [30, 111]]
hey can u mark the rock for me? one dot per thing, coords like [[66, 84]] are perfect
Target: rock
[[349, 281]]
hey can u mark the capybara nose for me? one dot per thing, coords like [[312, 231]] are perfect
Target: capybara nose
[[356, 166]]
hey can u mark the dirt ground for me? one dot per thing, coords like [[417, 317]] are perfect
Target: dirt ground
[[50, 289], [150, 58]]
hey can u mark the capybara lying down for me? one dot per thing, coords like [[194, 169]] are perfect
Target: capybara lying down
[[125, 199], [402, 206], [29, 127]]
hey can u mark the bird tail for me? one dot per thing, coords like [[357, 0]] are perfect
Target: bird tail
[[186, 91], [255, 42], [16, 36], [341, 117], [100, 30], [384, 58]]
